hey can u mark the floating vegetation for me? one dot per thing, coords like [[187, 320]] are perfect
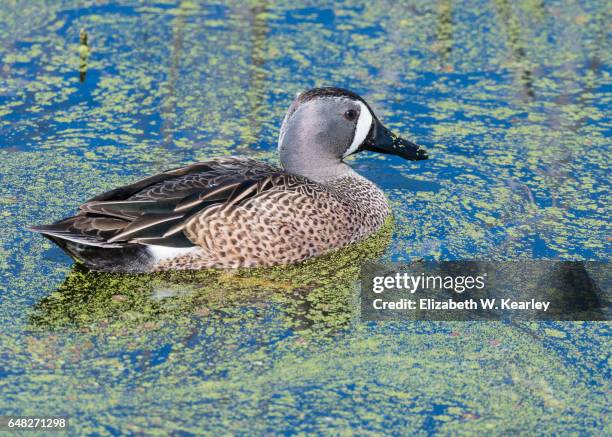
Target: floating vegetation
[[509, 97]]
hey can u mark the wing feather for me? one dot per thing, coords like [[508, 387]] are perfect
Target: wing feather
[[155, 210], [143, 226]]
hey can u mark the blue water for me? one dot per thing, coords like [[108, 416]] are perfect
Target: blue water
[[510, 99]]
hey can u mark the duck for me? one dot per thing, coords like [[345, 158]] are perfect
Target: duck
[[238, 212]]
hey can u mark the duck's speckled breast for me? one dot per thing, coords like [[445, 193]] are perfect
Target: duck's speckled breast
[[367, 205], [284, 226]]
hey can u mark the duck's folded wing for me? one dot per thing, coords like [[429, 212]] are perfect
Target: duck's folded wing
[[173, 182], [154, 210]]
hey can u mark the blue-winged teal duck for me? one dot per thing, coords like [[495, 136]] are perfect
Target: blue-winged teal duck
[[239, 212]]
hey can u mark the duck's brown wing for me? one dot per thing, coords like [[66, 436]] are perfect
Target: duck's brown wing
[[154, 210], [174, 182]]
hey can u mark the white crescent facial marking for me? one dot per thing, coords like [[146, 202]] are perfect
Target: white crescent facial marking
[[361, 131]]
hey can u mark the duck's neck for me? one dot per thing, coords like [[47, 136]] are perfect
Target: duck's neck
[[321, 172]]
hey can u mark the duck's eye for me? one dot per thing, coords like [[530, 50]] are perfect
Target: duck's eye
[[350, 115]]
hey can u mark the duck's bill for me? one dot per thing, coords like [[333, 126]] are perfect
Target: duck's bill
[[382, 140]]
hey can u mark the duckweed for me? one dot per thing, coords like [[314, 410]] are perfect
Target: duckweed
[[510, 98]]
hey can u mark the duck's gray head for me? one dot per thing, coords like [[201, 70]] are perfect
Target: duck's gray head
[[325, 125]]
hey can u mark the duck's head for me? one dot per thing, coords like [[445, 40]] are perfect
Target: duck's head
[[325, 125]]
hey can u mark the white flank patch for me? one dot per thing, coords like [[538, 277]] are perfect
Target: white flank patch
[[361, 131], [165, 252]]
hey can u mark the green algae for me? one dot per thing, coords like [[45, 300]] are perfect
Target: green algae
[[516, 122]]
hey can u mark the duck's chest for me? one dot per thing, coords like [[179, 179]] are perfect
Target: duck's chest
[[365, 202]]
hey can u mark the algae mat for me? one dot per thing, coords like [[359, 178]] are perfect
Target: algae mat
[[511, 99]]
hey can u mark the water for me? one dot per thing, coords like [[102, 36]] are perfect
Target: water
[[510, 99]]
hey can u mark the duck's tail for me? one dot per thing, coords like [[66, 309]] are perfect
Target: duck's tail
[[94, 252]]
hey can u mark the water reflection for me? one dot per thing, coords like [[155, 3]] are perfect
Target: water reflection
[[84, 54], [512, 26], [168, 108], [445, 34], [258, 22]]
